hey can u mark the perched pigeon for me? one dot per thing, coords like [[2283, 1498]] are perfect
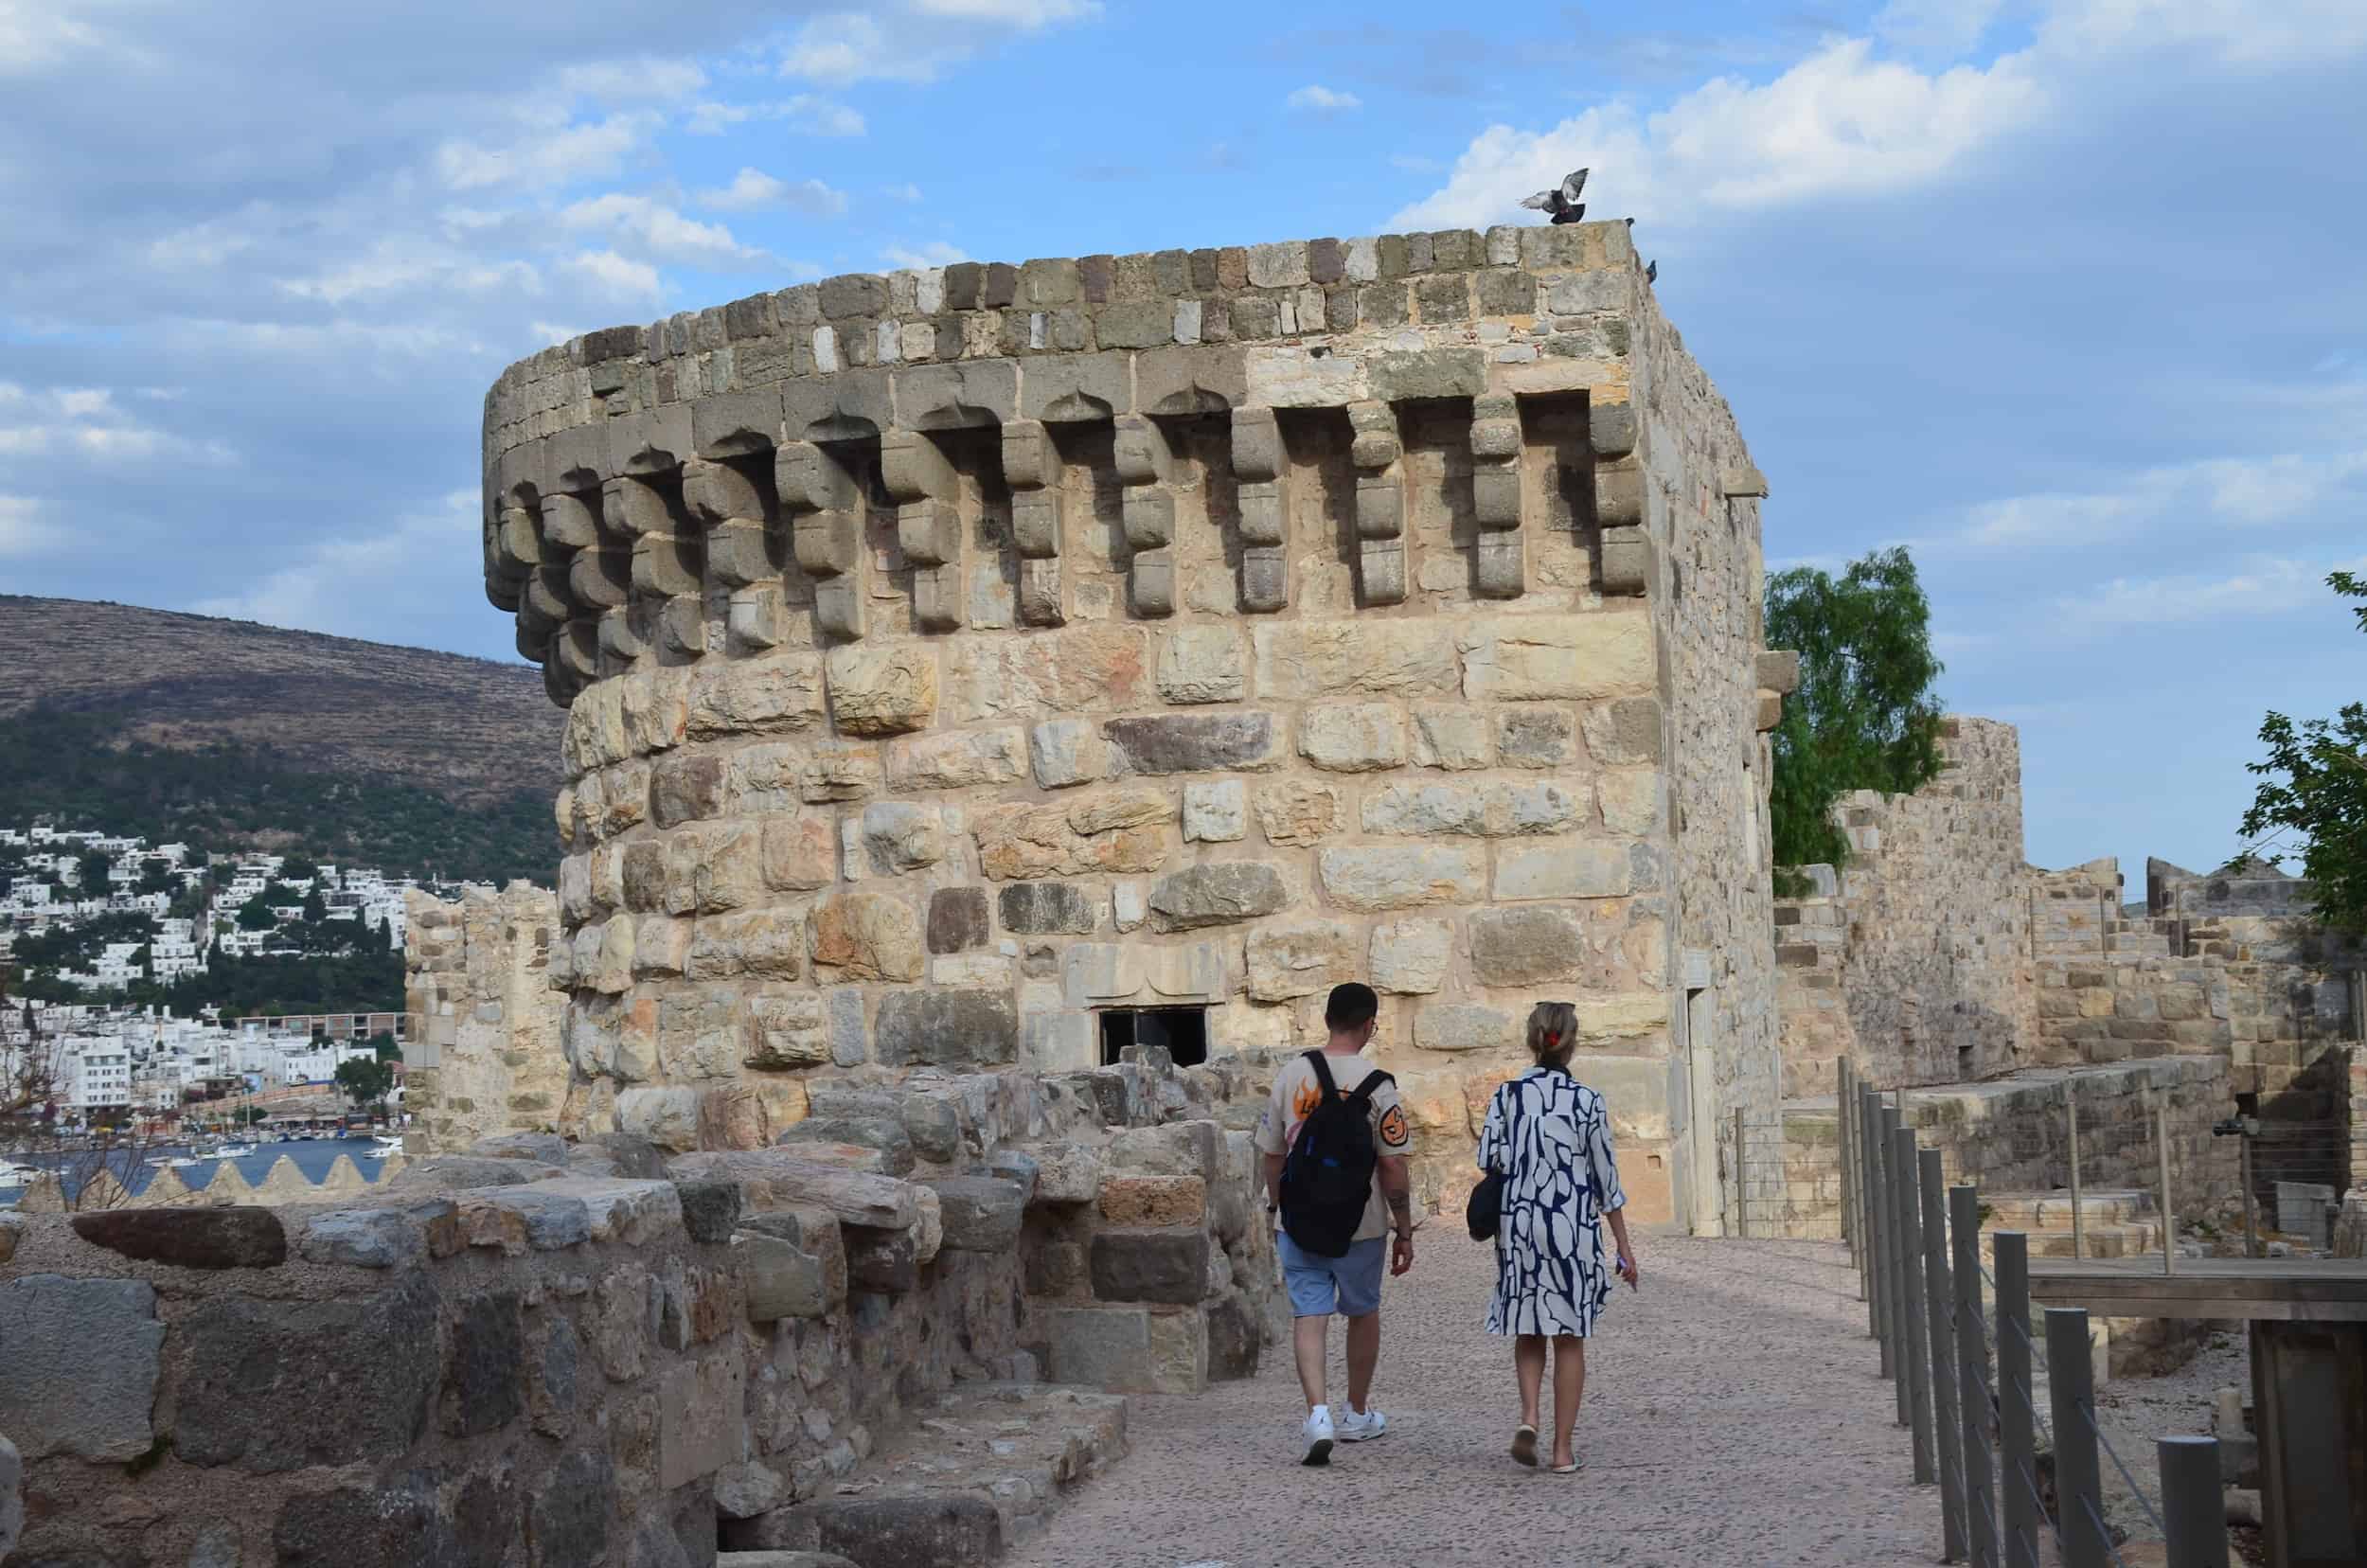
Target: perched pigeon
[[1561, 204], [1651, 271]]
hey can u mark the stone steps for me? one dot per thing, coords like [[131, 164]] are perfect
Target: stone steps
[[2114, 1222], [981, 1470]]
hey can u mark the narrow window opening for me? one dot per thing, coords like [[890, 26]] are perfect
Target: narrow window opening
[[1181, 1032]]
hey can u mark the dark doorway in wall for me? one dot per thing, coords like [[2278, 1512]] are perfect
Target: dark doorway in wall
[[1181, 1032]]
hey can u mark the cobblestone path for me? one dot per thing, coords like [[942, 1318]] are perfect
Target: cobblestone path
[[1733, 1415]]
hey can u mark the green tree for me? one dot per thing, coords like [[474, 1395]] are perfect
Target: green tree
[[315, 907], [2314, 788], [254, 914], [95, 864], [1864, 717], [157, 875], [383, 1044], [366, 1082], [297, 868]]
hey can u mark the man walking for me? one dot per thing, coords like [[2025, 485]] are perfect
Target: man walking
[[1335, 1142]]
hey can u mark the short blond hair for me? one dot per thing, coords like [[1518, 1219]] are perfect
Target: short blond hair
[[1553, 1033]]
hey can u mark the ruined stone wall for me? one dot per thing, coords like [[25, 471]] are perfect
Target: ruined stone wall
[[1933, 913], [956, 656], [595, 1355], [484, 1057], [1811, 964]]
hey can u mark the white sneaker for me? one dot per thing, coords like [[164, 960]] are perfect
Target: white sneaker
[[1363, 1427], [1319, 1435]]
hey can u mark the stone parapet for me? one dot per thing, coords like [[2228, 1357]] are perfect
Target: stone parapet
[[481, 1059]]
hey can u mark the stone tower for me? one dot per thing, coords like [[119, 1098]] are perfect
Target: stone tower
[[984, 669]]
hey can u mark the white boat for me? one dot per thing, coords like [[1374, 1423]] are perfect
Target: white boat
[[12, 1174], [173, 1162], [383, 1151], [235, 1151]]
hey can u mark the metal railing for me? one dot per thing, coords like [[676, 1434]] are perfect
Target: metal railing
[[1917, 1249]]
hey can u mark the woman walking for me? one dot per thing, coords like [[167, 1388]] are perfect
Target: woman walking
[[1549, 1137]]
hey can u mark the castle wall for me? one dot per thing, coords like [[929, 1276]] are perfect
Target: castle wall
[[484, 1056], [956, 658]]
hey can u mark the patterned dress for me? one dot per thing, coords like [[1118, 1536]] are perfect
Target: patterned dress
[[1549, 1136]]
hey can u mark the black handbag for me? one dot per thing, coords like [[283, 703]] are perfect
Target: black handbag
[[1486, 1208]]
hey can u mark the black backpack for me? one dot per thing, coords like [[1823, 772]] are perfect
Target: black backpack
[[1327, 1174]]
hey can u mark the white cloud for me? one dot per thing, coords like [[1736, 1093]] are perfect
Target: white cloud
[[633, 80], [614, 279], [906, 192], [653, 228], [1950, 24], [1841, 122], [22, 531], [404, 265], [316, 593], [752, 188], [850, 46], [931, 253], [34, 35], [554, 151], [2228, 32], [806, 113], [1018, 13], [2268, 585], [2239, 491], [1323, 99], [85, 422]]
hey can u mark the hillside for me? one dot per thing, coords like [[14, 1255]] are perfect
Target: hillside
[[243, 736]]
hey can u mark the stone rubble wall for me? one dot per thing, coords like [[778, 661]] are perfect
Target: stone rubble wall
[[2013, 1136], [1812, 957], [482, 1057], [1935, 967], [593, 1354], [956, 656]]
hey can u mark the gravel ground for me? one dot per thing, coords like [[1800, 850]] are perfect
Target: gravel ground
[[1732, 1415]]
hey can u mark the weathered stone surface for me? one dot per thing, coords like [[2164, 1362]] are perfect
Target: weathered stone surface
[[958, 920], [884, 690], [1329, 658], [458, 1173], [1144, 1201], [779, 1280], [786, 1029], [710, 1209], [1454, 1026], [782, 692], [1044, 908], [980, 1212], [365, 1527], [868, 936], [1201, 664], [1410, 957], [1535, 737], [1293, 811], [12, 1497], [1193, 742], [1235, 1340], [899, 836], [238, 1238], [1588, 870], [884, 1137], [1457, 738], [745, 1490], [79, 1364], [1067, 1172], [543, 1148], [933, 1529], [1066, 752], [1532, 658], [364, 1238], [1291, 958], [666, 1117], [779, 1179], [567, 1527], [1352, 737], [1488, 810], [1172, 1148], [1225, 893], [1169, 1266], [248, 1375], [483, 1350], [1216, 812], [1525, 947], [1630, 801], [1113, 831], [881, 1261], [946, 1028], [1391, 877], [702, 1422], [960, 761]]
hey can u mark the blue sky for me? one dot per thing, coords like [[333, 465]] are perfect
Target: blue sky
[[2068, 295]]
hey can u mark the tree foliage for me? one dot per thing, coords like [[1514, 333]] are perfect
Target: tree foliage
[[2313, 788], [366, 1081], [1864, 717]]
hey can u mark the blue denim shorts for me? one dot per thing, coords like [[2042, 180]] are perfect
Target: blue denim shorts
[[1348, 1285]]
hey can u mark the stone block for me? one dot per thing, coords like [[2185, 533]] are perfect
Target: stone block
[[364, 1238], [1352, 737], [780, 1280], [1225, 893], [980, 1212], [882, 1261], [79, 1366], [1408, 957], [485, 1351], [786, 1029], [1293, 958], [1066, 752], [866, 936], [1625, 731], [1201, 664], [1174, 744], [238, 1238], [1171, 1148], [1153, 1201], [958, 920], [1533, 658], [1587, 870], [882, 689], [1294, 811], [1457, 1027], [946, 1028], [1106, 1347], [1046, 908], [775, 1179], [1337, 657], [1536, 737], [1235, 1339], [939, 1529], [1399, 376], [1457, 737], [889, 1148], [960, 761], [1525, 947], [365, 1527], [1067, 1172], [702, 1420], [1395, 877], [1168, 1266], [248, 1376], [1216, 812]]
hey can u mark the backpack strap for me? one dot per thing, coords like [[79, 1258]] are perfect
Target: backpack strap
[[1364, 1091], [1323, 1073]]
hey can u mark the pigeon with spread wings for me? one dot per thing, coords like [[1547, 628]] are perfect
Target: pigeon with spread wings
[[1561, 204]]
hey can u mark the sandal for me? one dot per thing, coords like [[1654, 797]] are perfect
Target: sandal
[[1524, 1446], [1577, 1463]]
